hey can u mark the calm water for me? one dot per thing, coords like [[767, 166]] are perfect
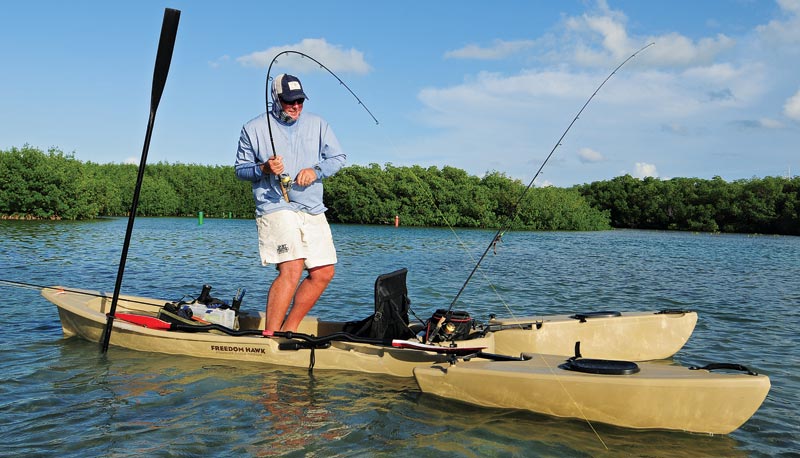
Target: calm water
[[60, 396]]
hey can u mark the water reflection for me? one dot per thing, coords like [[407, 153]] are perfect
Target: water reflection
[[297, 413], [464, 429]]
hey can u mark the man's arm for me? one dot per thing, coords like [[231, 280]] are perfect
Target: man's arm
[[247, 167], [333, 157]]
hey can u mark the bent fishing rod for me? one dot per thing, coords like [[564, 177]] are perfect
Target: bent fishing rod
[[284, 179], [515, 209]]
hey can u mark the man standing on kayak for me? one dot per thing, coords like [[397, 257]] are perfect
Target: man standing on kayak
[[293, 233]]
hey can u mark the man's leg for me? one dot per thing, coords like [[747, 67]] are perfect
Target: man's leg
[[281, 292], [307, 294]]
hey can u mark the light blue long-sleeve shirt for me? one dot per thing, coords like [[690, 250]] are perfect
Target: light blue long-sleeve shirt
[[309, 142]]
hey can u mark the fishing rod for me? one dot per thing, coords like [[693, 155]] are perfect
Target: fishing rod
[[284, 179], [498, 236], [19, 284]]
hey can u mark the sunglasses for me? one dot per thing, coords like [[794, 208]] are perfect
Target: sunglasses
[[293, 102]]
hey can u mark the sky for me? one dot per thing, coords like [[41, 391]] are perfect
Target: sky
[[481, 86]]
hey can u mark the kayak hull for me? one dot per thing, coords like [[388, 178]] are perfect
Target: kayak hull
[[83, 314], [659, 396], [631, 336]]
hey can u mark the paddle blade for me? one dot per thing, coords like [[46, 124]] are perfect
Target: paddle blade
[[169, 30]]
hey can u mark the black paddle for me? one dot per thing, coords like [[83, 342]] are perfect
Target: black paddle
[[166, 43]]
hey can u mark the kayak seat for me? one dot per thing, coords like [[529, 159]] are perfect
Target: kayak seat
[[390, 318]]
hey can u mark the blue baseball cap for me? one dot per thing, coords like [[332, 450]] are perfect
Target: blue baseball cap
[[289, 88]]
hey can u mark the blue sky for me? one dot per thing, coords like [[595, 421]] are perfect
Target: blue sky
[[481, 86]]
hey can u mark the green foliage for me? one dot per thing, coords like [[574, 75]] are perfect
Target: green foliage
[[758, 205], [54, 185], [434, 197], [44, 185]]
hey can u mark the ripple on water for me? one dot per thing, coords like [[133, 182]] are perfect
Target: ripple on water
[[58, 396]]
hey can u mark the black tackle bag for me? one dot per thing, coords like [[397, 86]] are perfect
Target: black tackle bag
[[448, 325]]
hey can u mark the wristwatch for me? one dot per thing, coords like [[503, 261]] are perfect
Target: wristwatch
[[318, 171]]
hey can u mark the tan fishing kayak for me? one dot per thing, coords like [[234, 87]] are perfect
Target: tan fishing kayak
[[635, 336], [658, 396], [632, 336]]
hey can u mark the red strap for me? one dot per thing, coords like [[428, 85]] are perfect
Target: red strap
[[142, 320]]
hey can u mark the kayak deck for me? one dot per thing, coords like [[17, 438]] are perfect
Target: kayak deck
[[634, 336], [83, 315], [658, 396], [631, 336]]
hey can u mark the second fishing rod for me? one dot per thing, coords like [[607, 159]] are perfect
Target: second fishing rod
[[515, 208]]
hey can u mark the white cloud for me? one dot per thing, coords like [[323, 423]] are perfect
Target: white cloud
[[588, 155], [334, 57], [785, 30], [676, 50], [790, 5], [670, 50], [643, 169], [132, 160], [499, 49], [792, 107], [664, 98], [689, 91], [715, 72], [517, 94], [615, 37]]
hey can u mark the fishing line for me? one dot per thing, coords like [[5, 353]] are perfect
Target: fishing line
[[461, 242], [269, 106], [500, 232], [498, 236], [284, 179], [440, 214], [19, 284]]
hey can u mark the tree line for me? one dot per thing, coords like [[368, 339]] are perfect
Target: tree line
[[55, 185], [767, 205]]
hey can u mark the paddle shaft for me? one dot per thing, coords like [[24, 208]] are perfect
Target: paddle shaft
[[166, 43]]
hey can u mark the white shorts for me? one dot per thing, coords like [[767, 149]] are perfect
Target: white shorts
[[287, 235]]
